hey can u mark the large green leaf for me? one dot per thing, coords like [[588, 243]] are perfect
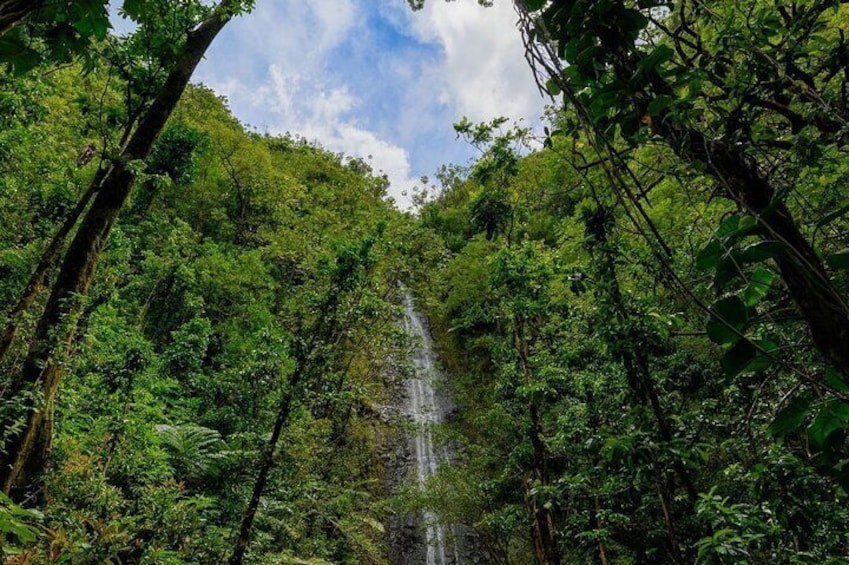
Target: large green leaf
[[759, 284], [790, 417], [747, 357], [834, 214], [729, 318], [838, 261], [17, 54], [832, 417], [761, 251], [708, 257]]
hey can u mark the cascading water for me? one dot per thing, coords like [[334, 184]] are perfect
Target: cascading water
[[426, 406]]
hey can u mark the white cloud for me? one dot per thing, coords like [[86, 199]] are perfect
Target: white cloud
[[286, 68], [286, 47], [327, 118], [299, 33], [484, 73]]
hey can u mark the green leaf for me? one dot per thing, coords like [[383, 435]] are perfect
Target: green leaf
[[133, 8], [708, 257], [834, 416], [759, 284], [834, 214], [727, 270], [761, 251], [747, 222], [730, 311], [838, 261], [738, 358], [790, 417], [18, 55], [660, 104], [653, 60], [834, 379], [16, 520], [552, 87], [728, 226], [746, 357]]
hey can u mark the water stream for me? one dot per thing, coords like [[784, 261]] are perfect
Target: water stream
[[427, 406]]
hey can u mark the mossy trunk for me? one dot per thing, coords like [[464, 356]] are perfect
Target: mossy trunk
[[42, 372], [48, 260], [820, 304], [267, 464]]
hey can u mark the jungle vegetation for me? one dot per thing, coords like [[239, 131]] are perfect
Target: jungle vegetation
[[642, 310]]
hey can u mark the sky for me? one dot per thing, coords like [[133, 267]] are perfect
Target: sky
[[373, 79]]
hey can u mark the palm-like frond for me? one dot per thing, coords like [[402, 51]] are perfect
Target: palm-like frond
[[195, 451]]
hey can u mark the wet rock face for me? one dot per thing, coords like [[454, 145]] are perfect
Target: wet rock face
[[406, 537], [419, 539]]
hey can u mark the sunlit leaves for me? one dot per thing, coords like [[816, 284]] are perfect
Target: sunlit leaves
[[17, 523]]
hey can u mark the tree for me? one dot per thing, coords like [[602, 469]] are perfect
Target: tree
[[315, 350], [629, 339], [32, 31], [26, 453], [633, 66], [523, 276]]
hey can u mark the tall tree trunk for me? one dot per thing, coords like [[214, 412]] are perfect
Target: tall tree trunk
[[674, 548], [822, 307], [327, 330], [26, 453], [634, 357], [600, 552], [48, 260], [13, 12], [542, 520], [267, 464], [635, 360]]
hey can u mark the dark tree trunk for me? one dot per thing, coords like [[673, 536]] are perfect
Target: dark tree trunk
[[325, 331], [49, 258], [600, 552], [822, 307], [635, 359], [633, 355], [264, 470], [13, 12], [542, 520], [26, 453]]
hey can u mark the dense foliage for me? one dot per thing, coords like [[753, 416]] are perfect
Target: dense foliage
[[239, 260], [656, 299], [643, 313]]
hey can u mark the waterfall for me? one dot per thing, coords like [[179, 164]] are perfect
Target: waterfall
[[426, 406]]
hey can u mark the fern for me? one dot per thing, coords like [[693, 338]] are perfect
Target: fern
[[194, 451]]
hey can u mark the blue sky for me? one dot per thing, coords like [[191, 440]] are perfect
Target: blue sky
[[372, 78]]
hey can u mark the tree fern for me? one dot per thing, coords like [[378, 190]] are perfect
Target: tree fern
[[194, 451]]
